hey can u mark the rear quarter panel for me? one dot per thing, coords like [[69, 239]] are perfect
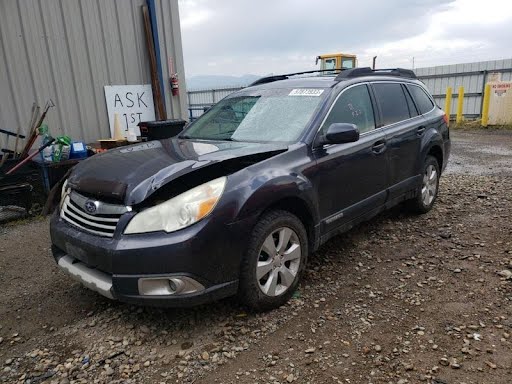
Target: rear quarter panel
[[436, 135]]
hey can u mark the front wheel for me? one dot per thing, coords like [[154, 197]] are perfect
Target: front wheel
[[275, 259], [427, 193]]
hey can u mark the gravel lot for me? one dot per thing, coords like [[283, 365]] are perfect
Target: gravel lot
[[402, 299]]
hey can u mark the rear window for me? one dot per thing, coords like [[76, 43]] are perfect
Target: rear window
[[392, 101], [421, 99]]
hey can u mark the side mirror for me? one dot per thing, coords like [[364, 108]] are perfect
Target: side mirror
[[339, 133]]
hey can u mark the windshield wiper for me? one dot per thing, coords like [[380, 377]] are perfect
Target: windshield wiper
[[227, 139], [207, 138]]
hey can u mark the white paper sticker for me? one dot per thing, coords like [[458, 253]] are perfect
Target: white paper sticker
[[306, 92], [78, 147]]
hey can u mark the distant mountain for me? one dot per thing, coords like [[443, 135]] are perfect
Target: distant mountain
[[219, 81]]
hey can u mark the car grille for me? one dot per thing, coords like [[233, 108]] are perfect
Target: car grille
[[101, 220]]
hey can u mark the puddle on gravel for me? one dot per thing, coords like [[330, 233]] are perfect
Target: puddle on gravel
[[491, 150], [464, 165], [479, 159]]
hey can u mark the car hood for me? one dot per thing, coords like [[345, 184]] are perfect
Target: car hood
[[131, 174]]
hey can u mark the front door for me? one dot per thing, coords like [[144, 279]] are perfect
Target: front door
[[351, 179]]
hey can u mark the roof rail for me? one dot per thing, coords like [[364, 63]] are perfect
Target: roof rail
[[367, 71], [270, 79], [343, 74]]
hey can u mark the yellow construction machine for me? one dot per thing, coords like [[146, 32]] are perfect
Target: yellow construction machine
[[336, 61]]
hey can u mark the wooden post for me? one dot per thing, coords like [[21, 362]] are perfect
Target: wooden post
[[155, 83]]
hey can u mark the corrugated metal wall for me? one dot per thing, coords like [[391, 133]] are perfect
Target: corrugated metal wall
[[437, 79], [67, 50], [470, 75]]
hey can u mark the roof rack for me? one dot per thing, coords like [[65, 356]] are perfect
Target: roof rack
[[343, 74], [270, 79], [367, 71]]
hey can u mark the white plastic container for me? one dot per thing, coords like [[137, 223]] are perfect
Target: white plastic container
[[131, 137]]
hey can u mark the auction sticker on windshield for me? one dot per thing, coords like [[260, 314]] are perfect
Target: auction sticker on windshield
[[306, 92]]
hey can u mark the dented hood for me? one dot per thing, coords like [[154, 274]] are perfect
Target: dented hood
[[131, 174]]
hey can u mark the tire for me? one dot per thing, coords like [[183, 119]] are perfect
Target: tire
[[429, 189], [278, 267]]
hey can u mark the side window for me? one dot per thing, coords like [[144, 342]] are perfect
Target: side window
[[412, 108], [329, 64], [354, 106], [420, 97], [393, 104], [347, 62]]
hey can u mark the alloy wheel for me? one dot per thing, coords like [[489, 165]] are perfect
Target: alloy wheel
[[429, 187], [278, 261]]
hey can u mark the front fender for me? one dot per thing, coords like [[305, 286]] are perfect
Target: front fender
[[268, 189]]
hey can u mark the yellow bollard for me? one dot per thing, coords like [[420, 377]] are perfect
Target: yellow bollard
[[448, 104], [460, 104], [485, 106]]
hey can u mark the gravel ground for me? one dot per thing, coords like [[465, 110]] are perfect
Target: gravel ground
[[402, 299]]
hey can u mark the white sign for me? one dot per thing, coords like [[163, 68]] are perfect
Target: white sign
[[133, 103], [306, 92], [500, 103], [493, 77]]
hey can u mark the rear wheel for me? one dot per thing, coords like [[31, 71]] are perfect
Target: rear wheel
[[427, 193], [274, 261]]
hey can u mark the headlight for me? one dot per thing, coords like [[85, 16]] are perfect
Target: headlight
[[180, 211], [63, 192]]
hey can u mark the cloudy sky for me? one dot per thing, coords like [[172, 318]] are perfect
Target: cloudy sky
[[236, 37]]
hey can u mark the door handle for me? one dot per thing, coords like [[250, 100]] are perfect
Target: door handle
[[379, 147], [420, 130]]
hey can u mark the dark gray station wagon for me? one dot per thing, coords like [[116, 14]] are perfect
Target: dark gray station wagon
[[236, 203]]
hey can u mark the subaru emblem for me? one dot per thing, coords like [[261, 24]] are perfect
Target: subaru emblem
[[90, 206]]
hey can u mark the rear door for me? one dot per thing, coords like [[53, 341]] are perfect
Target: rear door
[[425, 105], [404, 126], [350, 179]]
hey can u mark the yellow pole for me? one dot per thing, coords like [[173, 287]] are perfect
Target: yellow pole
[[448, 104], [460, 104], [485, 106]]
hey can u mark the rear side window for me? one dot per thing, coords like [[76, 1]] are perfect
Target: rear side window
[[354, 106], [392, 101], [421, 98], [412, 108]]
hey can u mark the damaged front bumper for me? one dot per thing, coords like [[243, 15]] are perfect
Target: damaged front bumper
[[192, 266], [90, 277], [165, 293]]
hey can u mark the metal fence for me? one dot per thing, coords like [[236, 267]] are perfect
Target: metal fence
[[472, 76], [200, 99]]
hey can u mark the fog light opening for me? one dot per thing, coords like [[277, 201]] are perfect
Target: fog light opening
[[175, 285], [172, 286]]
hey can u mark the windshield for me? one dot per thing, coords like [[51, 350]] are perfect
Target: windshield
[[262, 116]]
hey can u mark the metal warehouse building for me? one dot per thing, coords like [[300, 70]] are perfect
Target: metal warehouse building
[[68, 51]]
